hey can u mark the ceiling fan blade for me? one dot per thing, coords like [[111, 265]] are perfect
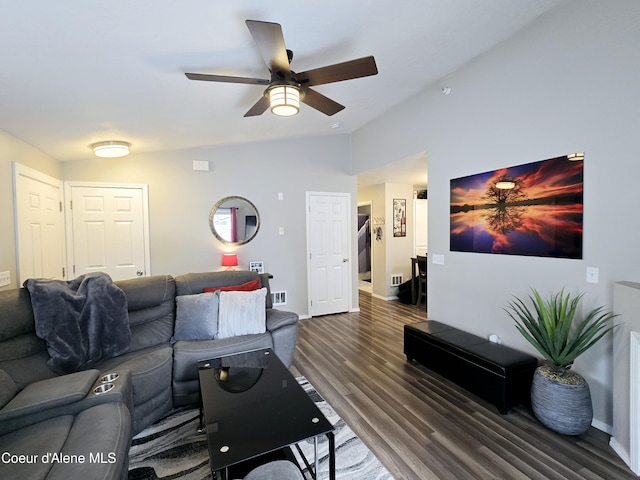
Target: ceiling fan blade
[[268, 36], [259, 108], [225, 78], [361, 67], [321, 103]]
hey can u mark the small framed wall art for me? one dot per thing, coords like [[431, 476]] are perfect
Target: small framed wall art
[[399, 217]]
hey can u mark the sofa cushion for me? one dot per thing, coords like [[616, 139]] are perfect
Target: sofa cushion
[[35, 441], [196, 317], [241, 313], [8, 388], [152, 309], [100, 435], [244, 287], [151, 372]]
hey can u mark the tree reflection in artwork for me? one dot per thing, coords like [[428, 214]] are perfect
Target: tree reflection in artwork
[[531, 209], [502, 219]]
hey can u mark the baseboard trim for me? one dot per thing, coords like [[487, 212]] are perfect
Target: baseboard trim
[[620, 451], [603, 427]]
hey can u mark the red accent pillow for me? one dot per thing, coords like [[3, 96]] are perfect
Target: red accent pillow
[[245, 287]]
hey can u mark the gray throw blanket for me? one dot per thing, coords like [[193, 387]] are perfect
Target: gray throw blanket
[[82, 321]]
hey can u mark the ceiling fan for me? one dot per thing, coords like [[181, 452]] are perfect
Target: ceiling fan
[[286, 88]]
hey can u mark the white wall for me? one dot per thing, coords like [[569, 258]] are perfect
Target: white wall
[[180, 200], [570, 82], [399, 249]]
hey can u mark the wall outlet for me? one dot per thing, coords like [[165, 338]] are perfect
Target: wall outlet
[[5, 278], [201, 165]]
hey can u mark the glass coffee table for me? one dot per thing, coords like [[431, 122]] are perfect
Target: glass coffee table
[[253, 406]]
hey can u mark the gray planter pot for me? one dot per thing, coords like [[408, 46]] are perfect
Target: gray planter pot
[[563, 408]]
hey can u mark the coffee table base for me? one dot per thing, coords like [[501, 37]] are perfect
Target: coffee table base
[[242, 469]]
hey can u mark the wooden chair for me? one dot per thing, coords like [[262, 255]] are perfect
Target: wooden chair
[[422, 279]]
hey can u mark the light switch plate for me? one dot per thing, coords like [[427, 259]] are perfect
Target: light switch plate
[[5, 278], [438, 259], [592, 275]]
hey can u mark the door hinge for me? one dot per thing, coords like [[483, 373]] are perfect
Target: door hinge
[[74, 269], [63, 272], [70, 204], [60, 205]]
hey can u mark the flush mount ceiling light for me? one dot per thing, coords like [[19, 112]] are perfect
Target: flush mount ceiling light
[[575, 157], [284, 100], [111, 149]]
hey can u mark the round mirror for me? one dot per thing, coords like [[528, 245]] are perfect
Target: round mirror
[[234, 220]]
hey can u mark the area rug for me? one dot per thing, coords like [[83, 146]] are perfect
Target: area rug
[[172, 449]]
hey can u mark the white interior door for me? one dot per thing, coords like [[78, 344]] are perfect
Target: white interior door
[[109, 229], [328, 243], [39, 224]]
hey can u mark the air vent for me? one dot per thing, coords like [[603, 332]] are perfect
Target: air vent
[[279, 298], [396, 280]]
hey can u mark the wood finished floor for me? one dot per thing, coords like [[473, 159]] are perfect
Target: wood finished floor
[[421, 426]]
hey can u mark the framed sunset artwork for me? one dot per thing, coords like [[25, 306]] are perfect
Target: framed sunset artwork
[[534, 209]]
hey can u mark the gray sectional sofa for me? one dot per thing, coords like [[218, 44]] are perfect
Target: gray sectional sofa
[[80, 425]]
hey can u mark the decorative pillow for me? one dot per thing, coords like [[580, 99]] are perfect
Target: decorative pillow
[[196, 317], [245, 287], [8, 388], [242, 313]]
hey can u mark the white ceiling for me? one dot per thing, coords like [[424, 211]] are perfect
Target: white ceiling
[[74, 72]]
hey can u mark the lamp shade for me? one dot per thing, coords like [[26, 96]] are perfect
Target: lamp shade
[[229, 260], [111, 149], [284, 100]]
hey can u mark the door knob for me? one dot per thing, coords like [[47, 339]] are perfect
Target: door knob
[[344, 260], [139, 273]]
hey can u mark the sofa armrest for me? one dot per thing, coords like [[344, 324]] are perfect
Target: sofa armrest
[[50, 393], [277, 319]]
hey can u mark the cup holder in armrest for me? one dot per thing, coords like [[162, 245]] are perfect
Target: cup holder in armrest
[[109, 377], [103, 388]]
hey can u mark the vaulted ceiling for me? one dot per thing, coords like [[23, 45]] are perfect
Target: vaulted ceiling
[[75, 72]]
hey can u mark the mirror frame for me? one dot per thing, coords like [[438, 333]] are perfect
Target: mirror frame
[[218, 205]]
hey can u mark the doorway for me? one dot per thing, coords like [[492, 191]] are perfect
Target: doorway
[[328, 247], [108, 229], [365, 276], [39, 220]]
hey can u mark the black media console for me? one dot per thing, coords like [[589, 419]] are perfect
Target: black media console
[[494, 372]]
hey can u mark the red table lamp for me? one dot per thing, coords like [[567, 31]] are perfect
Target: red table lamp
[[229, 260]]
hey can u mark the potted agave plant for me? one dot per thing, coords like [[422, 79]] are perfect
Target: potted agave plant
[[560, 397]]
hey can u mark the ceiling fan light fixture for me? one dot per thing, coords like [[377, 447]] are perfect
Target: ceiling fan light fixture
[[284, 100], [111, 149]]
